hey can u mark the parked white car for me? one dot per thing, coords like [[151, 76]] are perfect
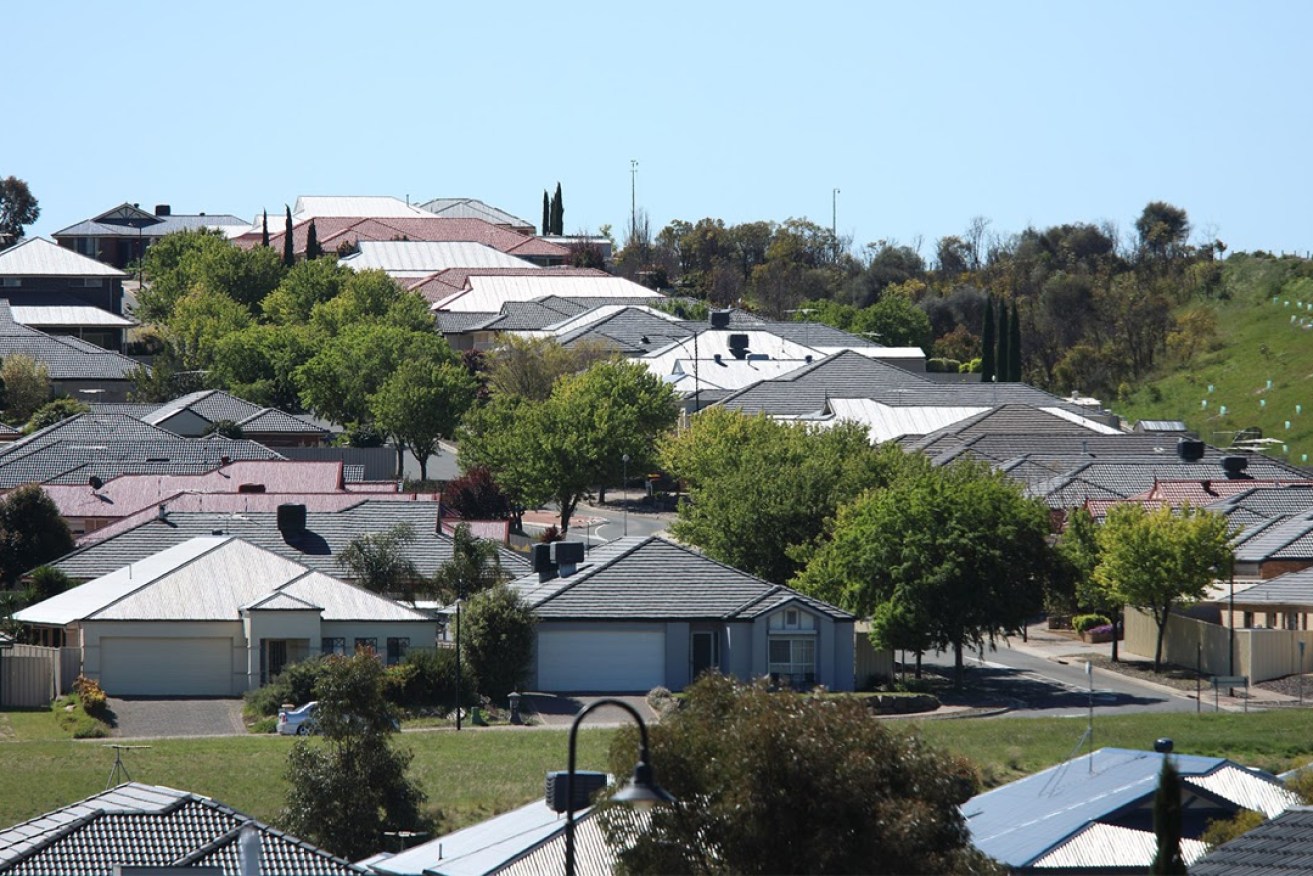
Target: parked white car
[[297, 722]]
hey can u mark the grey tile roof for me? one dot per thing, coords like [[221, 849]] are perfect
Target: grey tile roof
[[649, 578], [1290, 589], [162, 226], [1282, 846], [1125, 476], [1292, 499], [65, 357], [454, 323], [630, 330], [327, 533], [137, 825]]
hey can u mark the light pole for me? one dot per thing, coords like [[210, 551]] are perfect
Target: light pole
[[642, 792], [460, 591], [624, 504], [1231, 625], [834, 221]]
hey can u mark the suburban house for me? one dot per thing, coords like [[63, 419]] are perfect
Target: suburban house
[[486, 293], [1094, 814], [63, 293], [217, 616], [639, 612], [473, 208], [195, 414], [121, 236], [412, 260], [140, 828], [77, 368]]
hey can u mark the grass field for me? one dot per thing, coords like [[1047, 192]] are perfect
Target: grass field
[[473, 774]]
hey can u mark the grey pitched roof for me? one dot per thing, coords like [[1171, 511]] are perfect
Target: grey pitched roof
[[1275, 538], [65, 357], [649, 578], [630, 330], [138, 825], [108, 445], [1125, 476], [1290, 589], [473, 208], [1281, 846], [327, 533], [1291, 499], [850, 374], [450, 323]]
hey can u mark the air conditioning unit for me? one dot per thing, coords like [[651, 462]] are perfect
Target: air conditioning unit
[[567, 553], [586, 786]]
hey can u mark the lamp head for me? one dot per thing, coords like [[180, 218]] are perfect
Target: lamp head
[[642, 791]]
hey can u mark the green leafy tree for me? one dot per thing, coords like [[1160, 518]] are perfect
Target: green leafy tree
[[27, 386], [191, 261], [226, 428], [896, 322], [547, 214], [1003, 359], [1014, 345], [349, 784], [789, 783], [379, 561], [305, 285], [530, 367], [312, 248], [988, 365], [374, 296], [1158, 560], [258, 363], [47, 581], [1078, 552], [760, 490], [18, 207], [560, 448], [200, 319], [289, 251], [1167, 822], [499, 635], [1163, 229], [422, 402], [958, 544], [55, 411], [31, 532]]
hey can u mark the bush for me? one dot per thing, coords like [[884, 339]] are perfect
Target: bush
[[1219, 831], [1083, 622], [296, 685], [952, 366], [427, 679], [90, 696]]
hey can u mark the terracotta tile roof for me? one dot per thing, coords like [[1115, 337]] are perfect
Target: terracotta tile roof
[[333, 231]]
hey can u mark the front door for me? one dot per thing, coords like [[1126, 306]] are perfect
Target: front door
[[277, 658], [704, 653]]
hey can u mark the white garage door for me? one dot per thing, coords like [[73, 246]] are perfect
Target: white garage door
[[166, 667], [597, 661]]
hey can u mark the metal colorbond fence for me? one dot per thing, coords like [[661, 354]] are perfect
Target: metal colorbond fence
[[1259, 654], [29, 676]]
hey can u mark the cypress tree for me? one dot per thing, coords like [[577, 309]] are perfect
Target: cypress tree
[[1003, 358], [987, 343], [547, 214], [264, 229], [1167, 821], [312, 248], [558, 212], [1014, 346], [289, 255]]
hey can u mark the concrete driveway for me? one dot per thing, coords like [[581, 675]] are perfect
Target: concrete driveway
[[559, 710], [145, 717]]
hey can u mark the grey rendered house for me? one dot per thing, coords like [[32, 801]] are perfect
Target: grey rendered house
[[640, 612]]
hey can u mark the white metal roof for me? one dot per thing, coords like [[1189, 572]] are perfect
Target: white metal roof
[[887, 422], [85, 315], [486, 294], [1108, 845], [709, 344], [1086, 422], [38, 257], [365, 206], [687, 375], [875, 351], [423, 257]]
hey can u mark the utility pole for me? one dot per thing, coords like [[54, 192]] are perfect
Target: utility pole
[[633, 199], [834, 221]]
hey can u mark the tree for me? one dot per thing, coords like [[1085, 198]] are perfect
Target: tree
[[988, 367], [1163, 229], [17, 208], [305, 285], [348, 786], [27, 386], [191, 261], [1157, 560], [1003, 359], [1078, 551], [289, 251], [896, 322], [958, 545], [792, 783], [378, 561], [312, 248], [475, 495], [1014, 345], [558, 212], [1167, 821], [760, 490], [499, 636], [31, 532], [530, 367], [547, 215], [199, 321], [474, 566], [264, 229], [421, 402], [55, 411], [258, 363]]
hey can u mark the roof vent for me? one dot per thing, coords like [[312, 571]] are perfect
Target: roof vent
[[567, 555], [291, 520], [1234, 466], [716, 357], [738, 345], [542, 561], [720, 319], [95, 483], [586, 784], [162, 512], [163, 210], [1163, 745], [1190, 449], [224, 460], [250, 488]]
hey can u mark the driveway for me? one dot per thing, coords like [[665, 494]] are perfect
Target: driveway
[[559, 710], [144, 717]]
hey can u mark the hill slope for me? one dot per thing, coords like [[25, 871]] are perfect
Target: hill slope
[[1258, 372]]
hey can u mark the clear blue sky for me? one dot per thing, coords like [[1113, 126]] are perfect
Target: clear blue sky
[[922, 114]]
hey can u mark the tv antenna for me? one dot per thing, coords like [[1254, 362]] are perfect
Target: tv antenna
[[119, 765]]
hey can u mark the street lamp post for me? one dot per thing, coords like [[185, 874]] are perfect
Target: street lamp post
[[642, 791], [1231, 624], [459, 592], [624, 504]]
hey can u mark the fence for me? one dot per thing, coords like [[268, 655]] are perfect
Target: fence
[[29, 676], [869, 661], [1260, 655]]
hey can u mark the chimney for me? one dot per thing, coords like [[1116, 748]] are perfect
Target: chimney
[[738, 346], [567, 555], [720, 319], [163, 210], [224, 460], [291, 520], [162, 512], [542, 562]]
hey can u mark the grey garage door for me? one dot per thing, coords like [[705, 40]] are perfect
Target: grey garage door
[[602, 660], [142, 666]]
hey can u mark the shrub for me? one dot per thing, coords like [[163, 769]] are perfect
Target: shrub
[[296, 685], [943, 365], [1219, 831], [1083, 622], [90, 695], [427, 678]]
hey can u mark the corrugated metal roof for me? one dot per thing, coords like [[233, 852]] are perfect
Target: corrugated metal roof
[[373, 206], [38, 257], [38, 316], [1237, 784], [473, 208], [1100, 846], [488, 293], [428, 256], [885, 423]]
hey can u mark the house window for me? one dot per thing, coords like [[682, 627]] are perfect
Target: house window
[[369, 644], [333, 645], [1249, 620], [791, 618], [89, 282], [11, 281], [793, 660], [397, 648], [86, 246]]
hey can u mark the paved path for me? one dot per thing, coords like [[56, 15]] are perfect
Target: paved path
[[141, 717]]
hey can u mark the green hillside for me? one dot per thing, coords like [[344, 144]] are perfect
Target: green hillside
[[1257, 372]]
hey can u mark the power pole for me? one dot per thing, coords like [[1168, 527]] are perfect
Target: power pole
[[834, 221], [633, 199]]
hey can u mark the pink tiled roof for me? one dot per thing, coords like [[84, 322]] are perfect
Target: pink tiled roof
[[238, 503], [1203, 492], [332, 231], [491, 530]]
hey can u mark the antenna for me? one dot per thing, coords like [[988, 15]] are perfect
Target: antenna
[[119, 766]]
